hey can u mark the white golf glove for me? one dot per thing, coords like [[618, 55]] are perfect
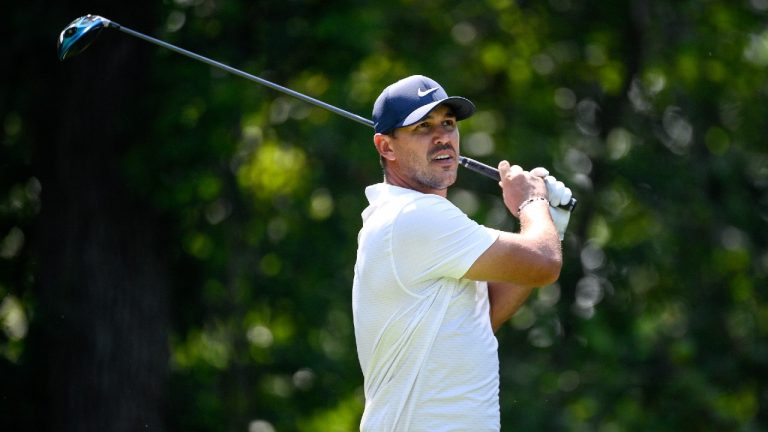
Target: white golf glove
[[558, 194]]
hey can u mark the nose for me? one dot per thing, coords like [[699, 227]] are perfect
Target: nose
[[442, 142], [442, 136]]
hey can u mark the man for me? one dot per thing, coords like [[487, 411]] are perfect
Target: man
[[424, 316]]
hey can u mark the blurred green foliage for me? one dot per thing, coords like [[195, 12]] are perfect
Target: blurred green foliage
[[653, 112]]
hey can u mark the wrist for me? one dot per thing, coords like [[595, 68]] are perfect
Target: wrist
[[529, 201]]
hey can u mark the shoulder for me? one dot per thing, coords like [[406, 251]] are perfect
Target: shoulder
[[432, 218], [429, 208]]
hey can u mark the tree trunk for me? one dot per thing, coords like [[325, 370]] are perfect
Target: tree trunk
[[101, 347]]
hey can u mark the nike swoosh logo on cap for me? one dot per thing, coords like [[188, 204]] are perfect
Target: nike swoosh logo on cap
[[423, 93]]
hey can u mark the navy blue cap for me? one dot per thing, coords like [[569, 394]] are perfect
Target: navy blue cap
[[409, 100]]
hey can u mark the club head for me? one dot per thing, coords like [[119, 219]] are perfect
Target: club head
[[79, 34]]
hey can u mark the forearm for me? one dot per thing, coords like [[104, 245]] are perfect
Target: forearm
[[530, 258], [537, 225], [505, 300], [541, 236]]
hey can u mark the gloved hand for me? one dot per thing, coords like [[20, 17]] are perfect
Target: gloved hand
[[558, 194]]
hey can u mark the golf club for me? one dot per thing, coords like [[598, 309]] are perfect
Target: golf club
[[81, 32]]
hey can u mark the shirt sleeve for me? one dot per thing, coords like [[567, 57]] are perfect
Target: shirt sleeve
[[432, 238]]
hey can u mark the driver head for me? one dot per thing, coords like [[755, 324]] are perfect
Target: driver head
[[79, 34]]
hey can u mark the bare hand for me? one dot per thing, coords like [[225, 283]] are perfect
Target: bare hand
[[519, 185]]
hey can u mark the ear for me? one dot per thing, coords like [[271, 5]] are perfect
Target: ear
[[383, 145]]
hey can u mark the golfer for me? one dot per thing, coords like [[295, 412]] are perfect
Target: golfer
[[431, 286]]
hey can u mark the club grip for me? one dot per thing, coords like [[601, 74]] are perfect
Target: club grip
[[493, 174]]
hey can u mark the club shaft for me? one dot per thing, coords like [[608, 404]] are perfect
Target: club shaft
[[245, 75], [466, 162]]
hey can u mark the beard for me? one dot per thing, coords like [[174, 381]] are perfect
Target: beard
[[430, 178], [439, 181], [426, 174]]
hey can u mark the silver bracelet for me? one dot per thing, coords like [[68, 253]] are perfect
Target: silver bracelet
[[530, 200]]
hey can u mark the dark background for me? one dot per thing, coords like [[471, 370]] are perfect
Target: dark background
[[176, 243]]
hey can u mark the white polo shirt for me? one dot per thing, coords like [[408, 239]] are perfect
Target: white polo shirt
[[424, 338]]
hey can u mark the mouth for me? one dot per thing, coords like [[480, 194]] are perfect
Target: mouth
[[444, 156]]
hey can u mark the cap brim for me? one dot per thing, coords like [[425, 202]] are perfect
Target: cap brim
[[462, 108]]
